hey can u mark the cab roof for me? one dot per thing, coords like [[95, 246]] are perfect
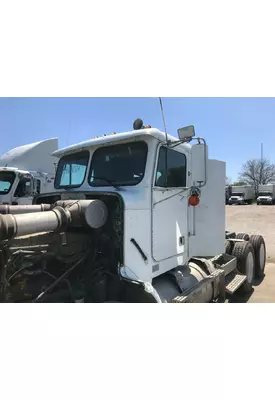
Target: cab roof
[[115, 137]]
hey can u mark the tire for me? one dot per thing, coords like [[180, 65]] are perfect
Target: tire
[[243, 236], [258, 244], [244, 253], [230, 235], [229, 247]]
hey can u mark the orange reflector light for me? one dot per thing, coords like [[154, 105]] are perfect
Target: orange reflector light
[[148, 126], [194, 200]]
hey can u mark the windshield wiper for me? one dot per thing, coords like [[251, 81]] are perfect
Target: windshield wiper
[[112, 183]]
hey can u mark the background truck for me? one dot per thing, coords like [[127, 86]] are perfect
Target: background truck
[[228, 193], [266, 194], [242, 195], [133, 219], [26, 171]]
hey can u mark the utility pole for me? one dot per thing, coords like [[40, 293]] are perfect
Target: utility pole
[[261, 167]]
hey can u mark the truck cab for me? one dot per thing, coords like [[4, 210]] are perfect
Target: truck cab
[[265, 198], [132, 219], [266, 194], [26, 171], [147, 183], [18, 186], [237, 198]]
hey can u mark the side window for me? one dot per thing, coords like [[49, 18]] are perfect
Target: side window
[[176, 169]]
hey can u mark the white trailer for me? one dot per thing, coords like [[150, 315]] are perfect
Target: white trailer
[[266, 194], [133, 219], [26, 171], [242, 195]]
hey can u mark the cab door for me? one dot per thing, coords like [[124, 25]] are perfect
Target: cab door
[[23, 193], [169, 206]]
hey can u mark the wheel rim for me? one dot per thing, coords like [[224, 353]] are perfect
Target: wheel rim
[[262, 256], [249, 267]]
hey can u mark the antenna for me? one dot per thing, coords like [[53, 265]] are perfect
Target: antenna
[[262, 152], [163, 119], [69, 131]]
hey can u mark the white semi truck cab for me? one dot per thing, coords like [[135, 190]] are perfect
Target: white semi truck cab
[[132, 219], [26, 171], [266, 194]]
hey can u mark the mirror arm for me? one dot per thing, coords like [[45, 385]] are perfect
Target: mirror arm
[[188, 140]]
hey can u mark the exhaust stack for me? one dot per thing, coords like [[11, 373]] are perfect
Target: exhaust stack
[[7, 209], [63, 214]]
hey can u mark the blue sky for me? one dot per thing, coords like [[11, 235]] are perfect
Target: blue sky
[[233, 127]]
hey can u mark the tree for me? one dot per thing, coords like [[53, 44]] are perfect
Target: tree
[[239, 183], [258, 172]]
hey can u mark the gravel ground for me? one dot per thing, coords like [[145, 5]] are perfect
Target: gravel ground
[[257, 220]]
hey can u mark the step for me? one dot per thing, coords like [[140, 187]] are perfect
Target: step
[[233, 282]]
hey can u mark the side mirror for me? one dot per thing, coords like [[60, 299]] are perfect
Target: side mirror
[[199, 154], [186, 133]]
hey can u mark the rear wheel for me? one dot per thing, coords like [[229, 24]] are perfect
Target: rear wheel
[[244, 253], [258, 244], [243, 236], [229, 247]]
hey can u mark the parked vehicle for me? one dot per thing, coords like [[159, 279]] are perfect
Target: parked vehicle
[[266, 194], [26, 171], [242, 195], [228, 193]]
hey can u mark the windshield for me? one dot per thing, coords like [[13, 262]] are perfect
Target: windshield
[[71, 170], [6, 180], [265, 194], [237, 194], [122, 165]]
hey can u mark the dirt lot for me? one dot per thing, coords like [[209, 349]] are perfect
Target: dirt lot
[[257, 220]]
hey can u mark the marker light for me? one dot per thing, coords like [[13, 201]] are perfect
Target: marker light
[[194, 200], [138, 124], [147, 127]]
